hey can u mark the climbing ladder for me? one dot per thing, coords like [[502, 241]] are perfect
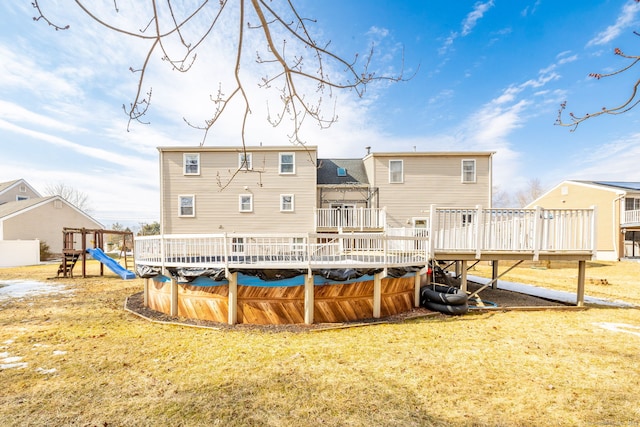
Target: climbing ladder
[[69, 259]]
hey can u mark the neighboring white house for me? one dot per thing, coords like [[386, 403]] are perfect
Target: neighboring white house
[[26, 215]]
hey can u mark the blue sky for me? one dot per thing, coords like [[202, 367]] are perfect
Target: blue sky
[[489, 75]]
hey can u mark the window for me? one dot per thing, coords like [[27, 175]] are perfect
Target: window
[[19, 198], [187, 205], [469, 170], [246, 203], [396, 174], [23, 188], [237, 245], [57, 204], [286, 203], [631, 204], [245, 161], [342, 172], [191, 164], [287, 163]]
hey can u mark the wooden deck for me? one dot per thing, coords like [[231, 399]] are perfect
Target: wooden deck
[[456, 235]]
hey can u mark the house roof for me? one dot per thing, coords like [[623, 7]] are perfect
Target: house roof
[[341, 172], [10, 208], [15, 208], [5, 186], [617, 185]]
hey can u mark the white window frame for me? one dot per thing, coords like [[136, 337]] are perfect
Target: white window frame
[[182, 197], [464, 173], [237, 245], [248, 165], [282, 204], [391, 180], [281, 163], [19, 198], [185, 165], [240, 204]]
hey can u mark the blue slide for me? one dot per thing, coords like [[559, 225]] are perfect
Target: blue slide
[[111, 263]]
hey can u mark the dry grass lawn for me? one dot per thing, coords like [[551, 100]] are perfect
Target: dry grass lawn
[[87, 362]]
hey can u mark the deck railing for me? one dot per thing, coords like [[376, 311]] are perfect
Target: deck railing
[[471, 231], [361, 219], [281, 251], [632, 216], [512, 230]]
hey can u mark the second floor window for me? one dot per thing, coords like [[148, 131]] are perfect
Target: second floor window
[[286, 203], [246, 203], [631, 204], [396, 173], [191, 164], [469, 170], [287, 163], [245, 161], [187, 205]]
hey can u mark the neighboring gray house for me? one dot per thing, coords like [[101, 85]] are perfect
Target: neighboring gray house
[[25, 215], [287, 189]]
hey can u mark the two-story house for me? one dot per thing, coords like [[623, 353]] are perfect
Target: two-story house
[[288, 189]]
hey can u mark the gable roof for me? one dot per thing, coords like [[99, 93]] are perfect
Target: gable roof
[[354, 172], [10, 209], [6, 186], [615, 185]]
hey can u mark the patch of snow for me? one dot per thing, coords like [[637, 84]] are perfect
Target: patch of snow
[[13, 365], [59, 352], [620, 327], [46, 371], [22, 288]]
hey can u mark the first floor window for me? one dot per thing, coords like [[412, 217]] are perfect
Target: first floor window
[[246, 203], [237, 245], [469, 170], [186, 205], [287, 163], [286, 202], [191, 164], [396, 171]]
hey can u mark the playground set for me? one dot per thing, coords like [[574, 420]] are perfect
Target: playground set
[[71, 253]]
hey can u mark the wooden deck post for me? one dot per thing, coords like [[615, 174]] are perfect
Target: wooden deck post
[[581, 276], [232, 301], [377, 294], [463, 276], [308, 299], [416, 296], [174, 297], [146, 292], [494, 274]]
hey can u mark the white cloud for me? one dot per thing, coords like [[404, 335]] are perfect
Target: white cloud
[[479, 9], [626, 19]]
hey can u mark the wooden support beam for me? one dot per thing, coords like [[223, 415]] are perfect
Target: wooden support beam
[[494, 274], [475, 294], [377, 294], [581, 276], [463, 276], [416, 295], [146, 292], [233, 298], [174, 297], [308, 299]]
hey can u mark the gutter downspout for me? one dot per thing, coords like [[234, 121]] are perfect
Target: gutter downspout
[[616, 237]]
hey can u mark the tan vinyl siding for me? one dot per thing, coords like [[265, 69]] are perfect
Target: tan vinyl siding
[[429, 179], [579, 196], [217, 208], [45, 223]]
